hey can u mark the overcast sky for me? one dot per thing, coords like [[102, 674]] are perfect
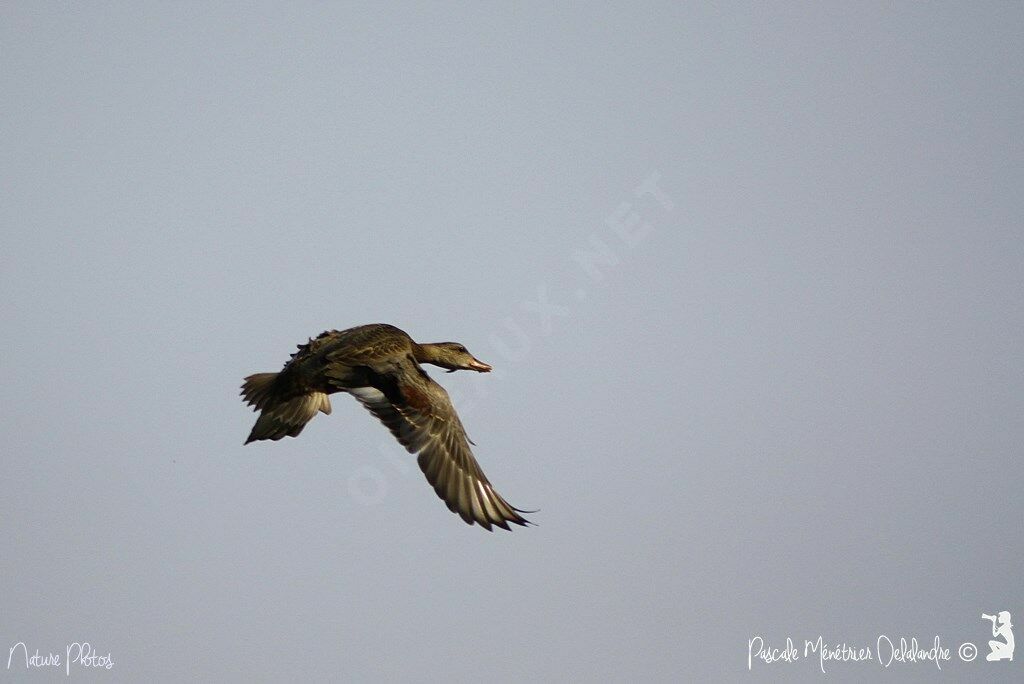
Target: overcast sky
[[749, 276]]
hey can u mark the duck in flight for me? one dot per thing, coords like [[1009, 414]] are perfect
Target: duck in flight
[[379, 365]]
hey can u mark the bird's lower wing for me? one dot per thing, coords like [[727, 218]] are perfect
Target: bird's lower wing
[[432, 429]]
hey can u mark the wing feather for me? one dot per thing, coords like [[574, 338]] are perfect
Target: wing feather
[[424, 421]]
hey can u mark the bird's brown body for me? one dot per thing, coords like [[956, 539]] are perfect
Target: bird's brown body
[[378, 364]]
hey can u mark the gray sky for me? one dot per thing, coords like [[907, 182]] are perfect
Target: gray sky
[[780, 396]]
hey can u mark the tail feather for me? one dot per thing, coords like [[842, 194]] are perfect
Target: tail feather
[[279, 418], [258, 389]]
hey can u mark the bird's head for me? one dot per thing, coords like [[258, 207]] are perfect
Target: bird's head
[[453, 356]]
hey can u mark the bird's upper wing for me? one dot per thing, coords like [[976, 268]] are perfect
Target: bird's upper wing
[[420, 415], [367, 344]]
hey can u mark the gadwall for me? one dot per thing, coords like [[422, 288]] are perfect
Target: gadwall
[[379, 365]]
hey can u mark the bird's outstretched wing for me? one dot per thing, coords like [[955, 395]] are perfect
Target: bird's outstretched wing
[[421, 416]]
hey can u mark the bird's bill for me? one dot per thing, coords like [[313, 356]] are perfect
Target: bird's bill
[[479, 366]]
